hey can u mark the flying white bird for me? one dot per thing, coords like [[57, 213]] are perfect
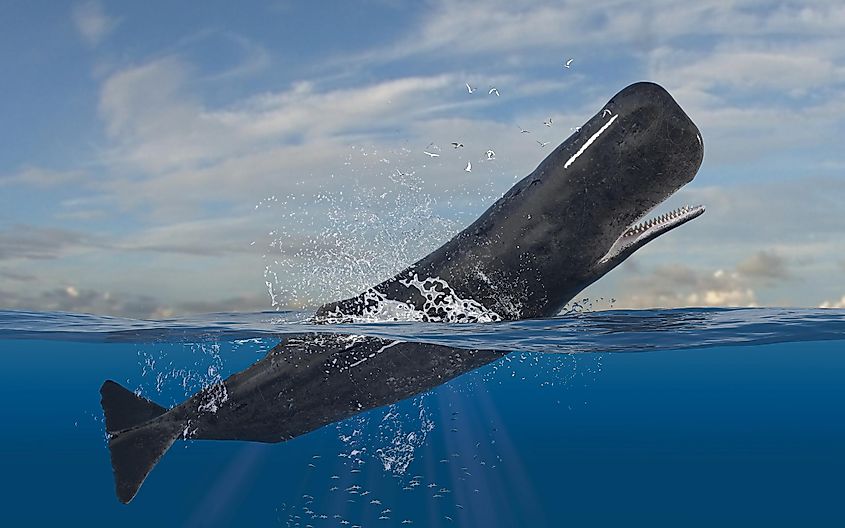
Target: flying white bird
[[606, 112], [549, 122], [431, 154], [523, 131], [468, 168], [494, 91], [568, 63], [457, 145], [470, 89], [491, 154], [542, 143]]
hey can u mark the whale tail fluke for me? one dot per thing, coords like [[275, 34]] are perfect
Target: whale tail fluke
[[136, 441]]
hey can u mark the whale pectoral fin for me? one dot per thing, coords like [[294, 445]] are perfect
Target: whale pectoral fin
[[136, 441]]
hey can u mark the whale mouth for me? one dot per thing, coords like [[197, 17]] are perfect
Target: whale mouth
[[643, 231]]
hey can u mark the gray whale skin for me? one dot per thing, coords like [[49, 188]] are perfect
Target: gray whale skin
[[555, 232]]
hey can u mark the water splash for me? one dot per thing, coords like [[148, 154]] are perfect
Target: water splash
[[341, 240]]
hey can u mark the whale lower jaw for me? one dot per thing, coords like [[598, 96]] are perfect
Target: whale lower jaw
[[642, 232]]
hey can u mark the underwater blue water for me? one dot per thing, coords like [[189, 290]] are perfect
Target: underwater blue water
[[724, 418]]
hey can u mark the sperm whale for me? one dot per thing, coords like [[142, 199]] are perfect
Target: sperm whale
[[577, 216]]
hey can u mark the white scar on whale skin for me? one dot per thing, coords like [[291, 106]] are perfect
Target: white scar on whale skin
[[589, 141], [374, 354]]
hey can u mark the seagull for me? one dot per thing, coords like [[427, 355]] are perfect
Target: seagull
[[431, 154], [523, 131], [494, 91], [549, 122], [568, 63], [605, 112], [491, 155], [470, 89], [457, 145], [468, 168], [542, 143], [575, 129]]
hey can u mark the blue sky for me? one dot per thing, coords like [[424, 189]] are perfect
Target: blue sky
[[163, 158]]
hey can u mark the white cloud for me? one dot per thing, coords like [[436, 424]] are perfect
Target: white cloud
[[834, 304], [765, 265], [40, 177], [92, 22], [72, 298], [26, 242], [678, 285], [158, 125]]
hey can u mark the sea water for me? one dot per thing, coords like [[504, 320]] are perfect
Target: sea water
[[689, 417]]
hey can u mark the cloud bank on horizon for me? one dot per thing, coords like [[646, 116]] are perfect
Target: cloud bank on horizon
[[163, 159]]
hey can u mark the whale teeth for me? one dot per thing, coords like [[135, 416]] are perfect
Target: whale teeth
[[646, 225]]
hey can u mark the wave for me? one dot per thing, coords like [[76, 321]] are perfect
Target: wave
[[601, 331]]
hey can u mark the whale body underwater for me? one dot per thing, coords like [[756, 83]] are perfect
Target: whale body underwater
[[577, 216]]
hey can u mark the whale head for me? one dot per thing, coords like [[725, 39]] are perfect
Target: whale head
[[577, 216]]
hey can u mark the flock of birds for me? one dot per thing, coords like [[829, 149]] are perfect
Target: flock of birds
[[430, 151]]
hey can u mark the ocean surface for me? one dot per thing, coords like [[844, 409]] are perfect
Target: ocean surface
[[689, 417]]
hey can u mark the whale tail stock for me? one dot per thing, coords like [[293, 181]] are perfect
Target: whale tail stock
[[136, 440]]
